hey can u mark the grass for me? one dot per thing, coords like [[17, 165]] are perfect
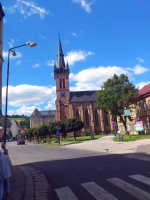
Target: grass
[[53, 141], [16, 119], [126, 138]]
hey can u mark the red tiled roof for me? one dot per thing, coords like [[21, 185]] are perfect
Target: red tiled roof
[[144, 90]]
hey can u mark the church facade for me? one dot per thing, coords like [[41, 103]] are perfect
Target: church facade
[[81, 104]]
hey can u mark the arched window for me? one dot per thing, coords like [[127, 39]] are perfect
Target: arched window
[[96, 117], [106, 118], [60, 83], [86, 114], [77, 113], [63, 83]]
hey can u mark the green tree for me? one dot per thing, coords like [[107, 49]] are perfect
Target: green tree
[[43, 131], [73, 125], [117, 95]]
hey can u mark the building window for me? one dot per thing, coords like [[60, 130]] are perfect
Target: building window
[[145, 106], [63, 83], [60, 83], [86, 113], [96, 117], [106, 118], [77, 113]]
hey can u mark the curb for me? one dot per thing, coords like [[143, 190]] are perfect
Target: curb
[[36, 186]]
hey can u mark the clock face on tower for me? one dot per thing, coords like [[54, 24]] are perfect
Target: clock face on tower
[[62, 94]]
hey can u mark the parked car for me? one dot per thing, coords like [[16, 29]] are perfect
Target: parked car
[[20, 141]]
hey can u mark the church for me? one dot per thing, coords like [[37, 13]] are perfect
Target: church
[[81, 104]]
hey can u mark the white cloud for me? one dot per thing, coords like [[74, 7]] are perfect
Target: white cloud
[[76, 56], [50, 63], [22, 95], [141, 60], [18, 62], [27, 9], [93, 78], [36, 65], [11, 43], [85, 4], [74, 34], [5, 55], [141, 84], [138, 69], [24, 110]]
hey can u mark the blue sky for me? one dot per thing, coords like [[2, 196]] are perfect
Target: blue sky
[[99, 38]]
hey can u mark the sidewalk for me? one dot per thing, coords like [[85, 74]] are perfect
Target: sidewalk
[[107, 145], [27, 183]]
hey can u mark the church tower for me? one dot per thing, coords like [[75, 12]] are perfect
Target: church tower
[[61, 75]]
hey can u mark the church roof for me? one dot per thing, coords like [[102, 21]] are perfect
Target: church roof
[[83, 96]]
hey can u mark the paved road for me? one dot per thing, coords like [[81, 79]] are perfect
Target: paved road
[[87, 174]]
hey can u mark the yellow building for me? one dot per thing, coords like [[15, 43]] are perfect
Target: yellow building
[[41, 117], [1, 55], [140, 112]]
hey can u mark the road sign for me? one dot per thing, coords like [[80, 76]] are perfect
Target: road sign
[[57, 127], [5, 122], [57, 132]]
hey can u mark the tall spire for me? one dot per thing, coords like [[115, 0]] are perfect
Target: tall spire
[[61, 62], [61, 68]]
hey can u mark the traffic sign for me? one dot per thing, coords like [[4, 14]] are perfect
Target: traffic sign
[[57, 127], [57, 132]]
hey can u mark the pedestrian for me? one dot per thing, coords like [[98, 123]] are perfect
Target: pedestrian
[[5, 173], [3, 146]]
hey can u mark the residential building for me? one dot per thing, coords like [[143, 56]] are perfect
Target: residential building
[[1, 55], [143, 107], [139, 112], [41, 117], [81, 104]]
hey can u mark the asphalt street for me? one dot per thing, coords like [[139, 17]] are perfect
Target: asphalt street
[[79, 174]]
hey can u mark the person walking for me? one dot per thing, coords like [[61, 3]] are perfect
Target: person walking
[[5, 173], [3, 146]]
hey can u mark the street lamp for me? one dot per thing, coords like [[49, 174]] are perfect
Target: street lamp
[[31, 44]]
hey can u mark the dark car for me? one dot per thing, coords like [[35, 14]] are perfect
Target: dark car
[[20, 141]]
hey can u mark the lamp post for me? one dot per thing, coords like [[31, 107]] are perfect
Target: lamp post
[[31, 44]]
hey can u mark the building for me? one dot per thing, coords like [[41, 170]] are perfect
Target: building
[[81, 104], [143, 107], [140, 112], [41, 117], [1, 55]]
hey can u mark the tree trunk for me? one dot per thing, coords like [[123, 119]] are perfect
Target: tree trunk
[[74, 135]]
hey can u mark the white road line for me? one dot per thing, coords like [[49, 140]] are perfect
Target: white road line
[[97, 192], [141, 178], [135, 191], [65, 193]]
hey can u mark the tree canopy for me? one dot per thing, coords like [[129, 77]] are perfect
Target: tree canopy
[[117, 95]]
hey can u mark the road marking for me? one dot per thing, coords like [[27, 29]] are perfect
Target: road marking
[[65, 193], [97, 192], [135, 191], [141, 178]]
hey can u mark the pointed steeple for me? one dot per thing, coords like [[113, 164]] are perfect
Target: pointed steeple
[[61, 62], [61, 68]]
